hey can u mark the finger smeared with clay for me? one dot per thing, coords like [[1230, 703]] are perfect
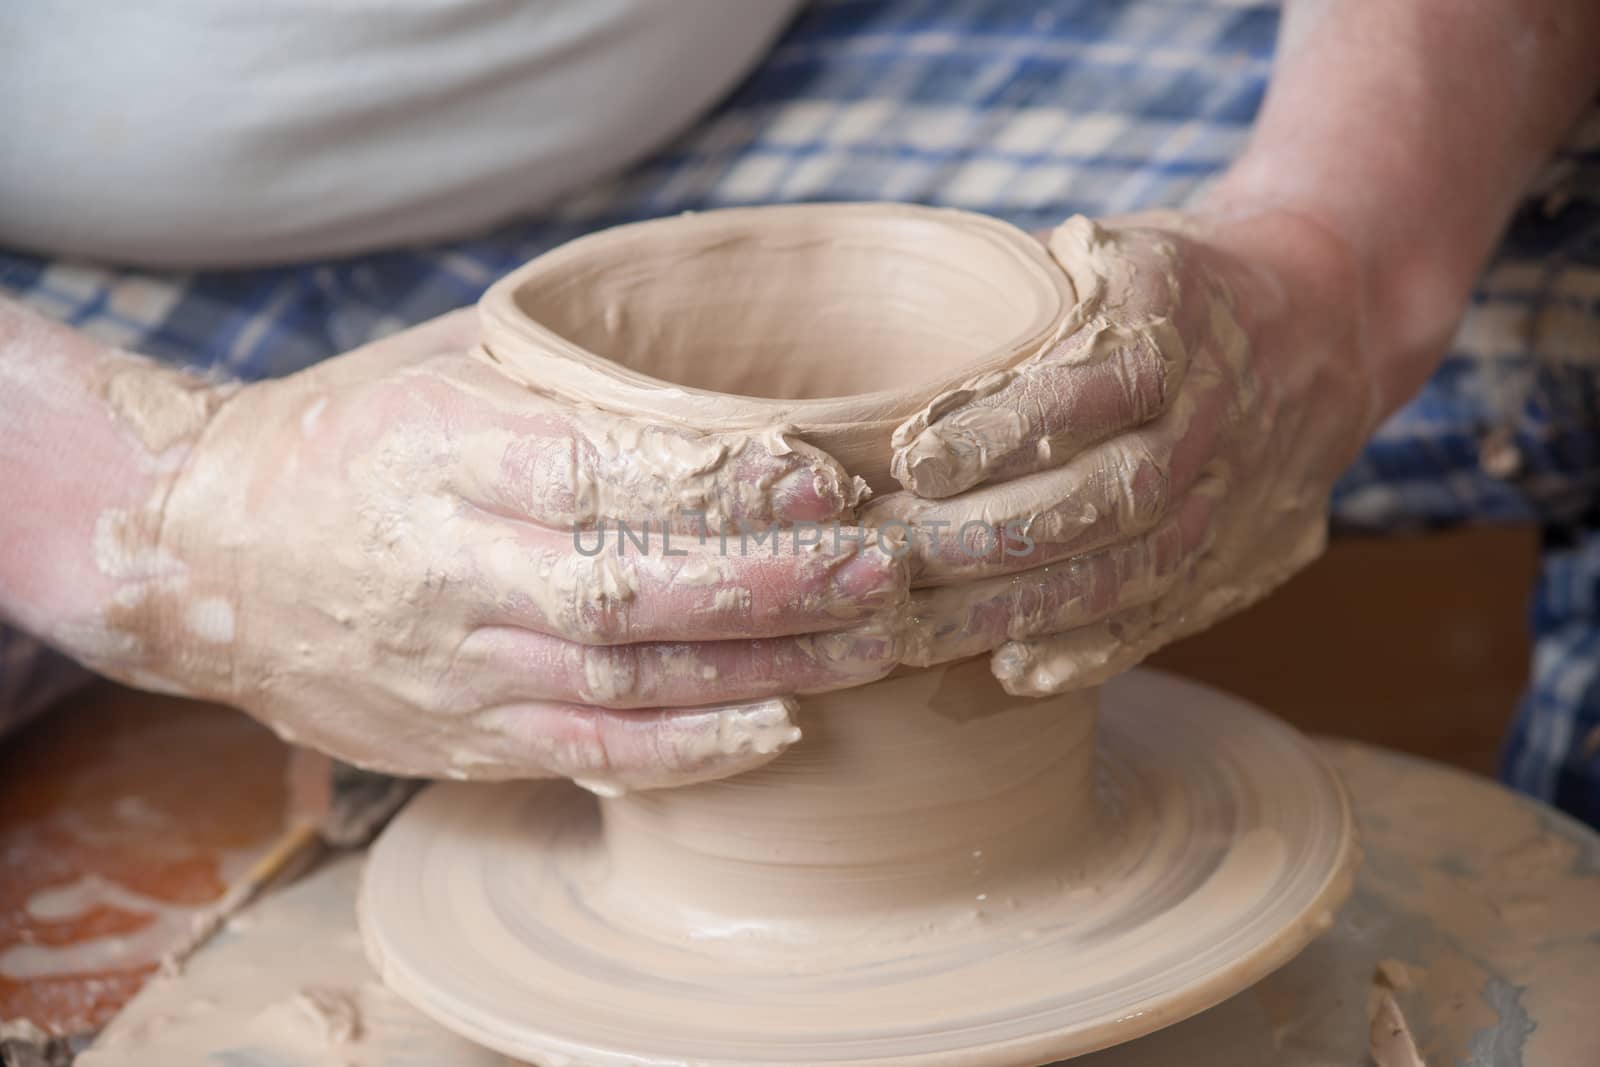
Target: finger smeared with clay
[[632, 584], [1093, 654], [951, 622], [1096, 498], [1122, 355], [524, 664], [607, 750]]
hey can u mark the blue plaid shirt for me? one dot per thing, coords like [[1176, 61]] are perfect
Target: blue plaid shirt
[[1030, 113]]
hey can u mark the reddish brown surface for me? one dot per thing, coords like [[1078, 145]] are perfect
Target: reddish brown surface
[[147, 792], [1413, 643]]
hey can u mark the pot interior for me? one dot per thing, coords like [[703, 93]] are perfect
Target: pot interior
[[786, 305]]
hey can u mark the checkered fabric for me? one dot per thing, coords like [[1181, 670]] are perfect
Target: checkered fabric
[[1030, 112]]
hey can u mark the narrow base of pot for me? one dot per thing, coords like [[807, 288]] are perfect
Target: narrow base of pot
[[1217, 844]]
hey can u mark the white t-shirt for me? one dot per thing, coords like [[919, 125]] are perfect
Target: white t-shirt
[[233, 132]]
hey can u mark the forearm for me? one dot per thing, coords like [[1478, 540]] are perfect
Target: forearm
[[1408, 129], [89, 436]]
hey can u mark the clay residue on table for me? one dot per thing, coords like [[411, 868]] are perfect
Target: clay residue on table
[[1484, 932], [122, 815], [1389, 1035], [256, 997]]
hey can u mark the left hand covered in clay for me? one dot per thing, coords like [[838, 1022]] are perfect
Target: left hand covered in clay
[[381, 557], [1164, 461]]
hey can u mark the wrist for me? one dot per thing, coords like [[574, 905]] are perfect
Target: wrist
[[1405, 296], [95, 439], [161, 414], [1409, 130]]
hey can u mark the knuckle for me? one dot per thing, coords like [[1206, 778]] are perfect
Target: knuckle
[[575, 489], [1147, 370], [590, 747], [595, 599], [609, 675], [1166, 553], [597, 622], [1143, 484]]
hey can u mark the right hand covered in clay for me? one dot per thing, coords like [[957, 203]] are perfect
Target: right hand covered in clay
[[1164, 462], [377, 557], [1171, 457]]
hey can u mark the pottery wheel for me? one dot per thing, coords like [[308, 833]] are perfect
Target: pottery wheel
[[1224, 844]]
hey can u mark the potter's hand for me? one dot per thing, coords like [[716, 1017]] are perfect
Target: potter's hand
[[1171, 457], [1165, 461], [377, 557]]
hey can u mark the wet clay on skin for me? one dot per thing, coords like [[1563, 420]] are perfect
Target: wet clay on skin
[[936, 871]]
